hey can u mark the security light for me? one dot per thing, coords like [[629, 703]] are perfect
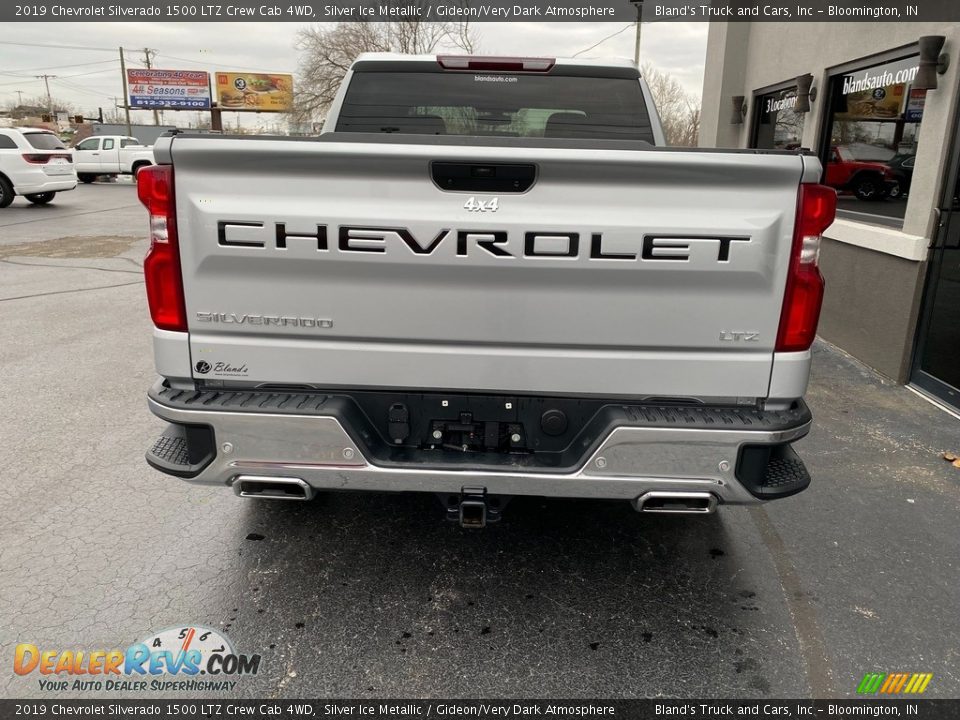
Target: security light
[[932, 62]]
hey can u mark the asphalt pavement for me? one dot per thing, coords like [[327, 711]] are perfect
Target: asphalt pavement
[[376, 595]]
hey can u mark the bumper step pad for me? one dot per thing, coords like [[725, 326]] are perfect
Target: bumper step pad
[[772, 472], [171, 450], [182, 450], [645, 415]]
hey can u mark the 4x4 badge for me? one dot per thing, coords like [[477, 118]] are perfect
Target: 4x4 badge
[[474, 205]]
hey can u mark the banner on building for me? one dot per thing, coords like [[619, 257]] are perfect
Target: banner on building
[[877, 93]]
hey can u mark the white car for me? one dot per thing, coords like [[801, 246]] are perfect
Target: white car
[[110, 155], [35, 164]]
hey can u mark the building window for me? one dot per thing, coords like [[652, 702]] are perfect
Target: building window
[[776, 125], [870, 139]]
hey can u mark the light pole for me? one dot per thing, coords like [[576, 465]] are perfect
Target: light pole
[[636, 47]]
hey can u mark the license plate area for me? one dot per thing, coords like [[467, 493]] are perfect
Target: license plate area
[[470, 435]]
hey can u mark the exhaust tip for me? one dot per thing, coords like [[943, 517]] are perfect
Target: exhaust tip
[[272, 488], [676, 503]]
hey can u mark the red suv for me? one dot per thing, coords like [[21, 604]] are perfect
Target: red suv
[[866, 179]]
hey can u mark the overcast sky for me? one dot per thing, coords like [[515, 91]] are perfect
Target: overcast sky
[[91, 78]]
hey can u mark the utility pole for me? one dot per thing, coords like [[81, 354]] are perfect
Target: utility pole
[[126, 92], [19, 96], [148, 54], [216, 114], [636, 46], [46, 81]]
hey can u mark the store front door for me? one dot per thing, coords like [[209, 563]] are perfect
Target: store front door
[[936, 368]]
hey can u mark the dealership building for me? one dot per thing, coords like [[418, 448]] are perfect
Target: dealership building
[[860, 95]]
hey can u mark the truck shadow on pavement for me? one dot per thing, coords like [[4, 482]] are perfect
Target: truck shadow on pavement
[[379, 595]]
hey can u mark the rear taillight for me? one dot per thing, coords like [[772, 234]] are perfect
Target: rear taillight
[[502, 64], [816, 208], [44, 158], [161, 267]]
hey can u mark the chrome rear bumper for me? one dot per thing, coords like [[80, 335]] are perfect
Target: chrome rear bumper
[[630, 462]]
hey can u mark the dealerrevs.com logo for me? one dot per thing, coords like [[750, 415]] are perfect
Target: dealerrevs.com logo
[[191, 658]]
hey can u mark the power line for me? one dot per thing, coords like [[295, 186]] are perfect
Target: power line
[[213, 64], [17, 82], [61, 47], [11, 92], [601, 42], [148, 55], [81, 89], [46, 82], [92, 72], [14, 71]]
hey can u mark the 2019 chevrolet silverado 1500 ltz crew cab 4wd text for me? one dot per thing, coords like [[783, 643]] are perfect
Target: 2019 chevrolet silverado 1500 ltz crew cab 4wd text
[[487, 277]]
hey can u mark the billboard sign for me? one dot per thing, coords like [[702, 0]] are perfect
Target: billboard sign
[[263, 92], [169, 89]]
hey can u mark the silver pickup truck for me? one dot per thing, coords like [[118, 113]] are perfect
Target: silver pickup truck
[[486, 278]]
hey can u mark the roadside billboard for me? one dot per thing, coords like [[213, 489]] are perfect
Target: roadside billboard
[[169, 89], [263, 92]]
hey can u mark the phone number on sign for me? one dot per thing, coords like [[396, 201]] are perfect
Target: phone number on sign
[[169, 102]]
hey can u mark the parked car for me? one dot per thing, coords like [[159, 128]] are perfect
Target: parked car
[[110, 155], [901, 169], [34, 163], [866, 179], [521, 293]]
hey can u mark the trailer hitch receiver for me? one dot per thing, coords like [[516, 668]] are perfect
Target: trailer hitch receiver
[[473, 507]]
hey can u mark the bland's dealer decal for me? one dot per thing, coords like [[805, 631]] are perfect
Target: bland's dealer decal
[[193, 658], [220, 369]]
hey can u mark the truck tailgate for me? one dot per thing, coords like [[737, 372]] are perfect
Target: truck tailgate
[[618, 273]]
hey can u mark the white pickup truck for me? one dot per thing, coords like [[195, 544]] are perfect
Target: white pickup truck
[[110, 155], [487, 278]]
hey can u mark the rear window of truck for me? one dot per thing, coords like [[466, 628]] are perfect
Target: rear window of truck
[[495, 105]]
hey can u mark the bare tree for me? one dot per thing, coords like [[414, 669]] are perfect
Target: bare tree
[[679, 110], [327, 52], [39, 102], [114, 115]]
